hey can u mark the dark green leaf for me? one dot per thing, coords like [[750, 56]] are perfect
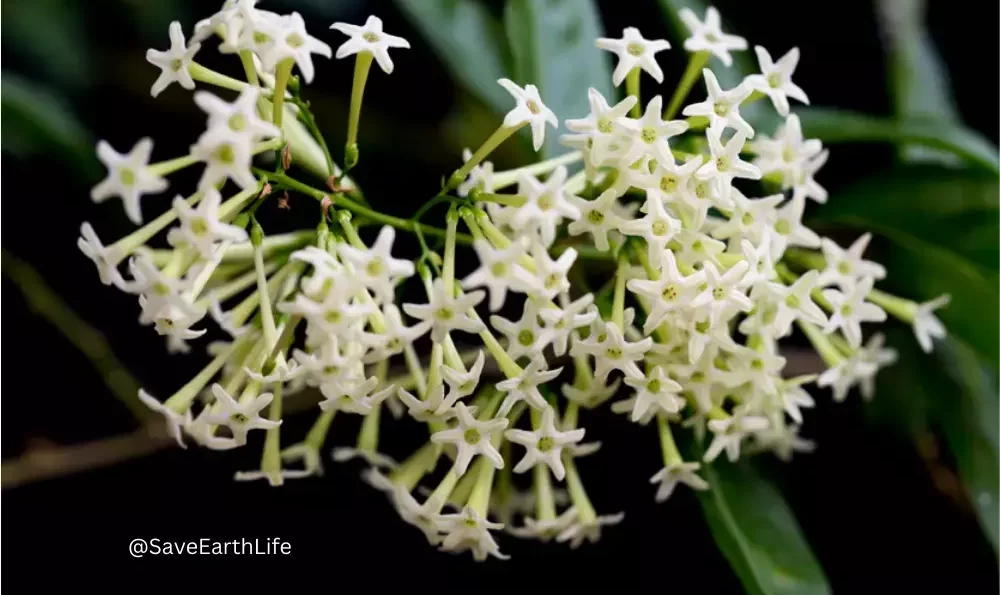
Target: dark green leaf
[[36, 121], [944, 226], [52, 35], [918, 76], [757, 532], [760, 114], [839, 126], [553, 45], [470, 43]]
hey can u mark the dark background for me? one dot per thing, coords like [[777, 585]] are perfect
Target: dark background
[[871, 507]]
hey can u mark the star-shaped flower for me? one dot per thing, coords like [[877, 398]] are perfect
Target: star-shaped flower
[[378, 270], [926, 326], [851, 309], [447, 312], [529, 110], [240, 418], [725, 163], [472, 437], [524, 387], [657, 390], [175, 421], [722, 291], [525, 337], [291, 41], [634, 51], [670, 292], [369, 38], [499, 271], [672, 475], [200, 227], [722, 108], [598, 217], [613, 352], [845, 267], [173, 63], [106, 258], [775, 79], [129, 177], [545, 444], [708, 36], [239, 117]]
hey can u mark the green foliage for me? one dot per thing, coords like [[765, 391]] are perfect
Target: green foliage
[[38, 122], [840, 126], [757, 532], [552, 42]]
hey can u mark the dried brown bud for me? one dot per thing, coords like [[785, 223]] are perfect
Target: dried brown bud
[[283, 202], [286, 157]]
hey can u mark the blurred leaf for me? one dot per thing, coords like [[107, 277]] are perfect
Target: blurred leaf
[[945, 224], [760, 114], [52, 36], [835, 126], [553, 45], [919, 80], [758, 534], [36, 121], [469, 41]]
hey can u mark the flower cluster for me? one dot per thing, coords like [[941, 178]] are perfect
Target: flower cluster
[[696, 221]]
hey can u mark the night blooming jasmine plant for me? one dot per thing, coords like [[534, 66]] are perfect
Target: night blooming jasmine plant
[[694, 222]]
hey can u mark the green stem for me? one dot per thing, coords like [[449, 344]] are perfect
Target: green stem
[[207, 75], [510, 200], [632, 88], [902, 308], [361, 67], [510, 177], [830, 354], [246, 58], [618, 303], [270, 462], [281, 74], [165, 168], [691, 74], [671, 456], [320, 429], [499, 135]]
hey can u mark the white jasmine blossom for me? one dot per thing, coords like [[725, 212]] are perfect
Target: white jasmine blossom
[[446, 312], [845, 267], [524, 387], [614, 352], [240, 418], [292, 42], [106, 258], [129, 177], [544, 445], [851, 309], [634, 51], [926, 326], [677, 473], [200, 227], [499, 271], [369, 38], [775, 79], [655, 392], [472, 437], [707, 36], [529, 110], [525, 337], [379, 271], [239, 117], [722, 108], [173, 63], [590, 530], [175, 421]]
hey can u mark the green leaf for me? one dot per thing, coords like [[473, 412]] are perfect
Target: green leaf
[[760, 114], [52, 36], [469, 41], [919, 82], [758, 534], [944, 226], [553, 45], [38, 122], [839, 126]]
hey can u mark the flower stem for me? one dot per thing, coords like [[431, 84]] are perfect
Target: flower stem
[[822, 344], [165, 168], [510, 200], [902, 308], [510, 177], [671, 456], [270, 463], [632, 88], [618, 303], [545, 501], [320, 429], [361, 67], [695, 63], [246, 58], [577, 493], [499, 135], [182, 399], [281, 74], [207, 75]]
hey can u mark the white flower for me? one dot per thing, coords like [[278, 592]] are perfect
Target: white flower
[[354, 396], [129, 177], [240, 418], [461, 384], [379, 271], [175, 421], [525, 337], [787, 152], [422, 516], [597, 217], [789, 230], [525, 386], [499, 272], [105, 258], [375, 459], [594, 394], [926, 325], [292, 42], [529, 110], [480, 177], [369, 38], [760, 261], [312, 462], [467, 530], [874, 352], [657, 227], [239, 117], [430, 409], [226, 155], [668, 293], [396, 336], [722, 108], [846, 374], [203, 431], [708, 36], [612, 351], [845, 267], [544, 530], [775, 79], [173, 63], [562, 321], [783, 442], [725, 163], [447, 312], [654, 133], [794, 398], [328, 365], [591, 530], [674, 474], [545, 206], [851, 309], [552, 273], [750, 218], [634, 51], [200, 227], [656, 390], [224, 319], [606, 126], [805, 185], [730, 432], [472, 437], [795, 301], [545, 444], [722, 292]]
